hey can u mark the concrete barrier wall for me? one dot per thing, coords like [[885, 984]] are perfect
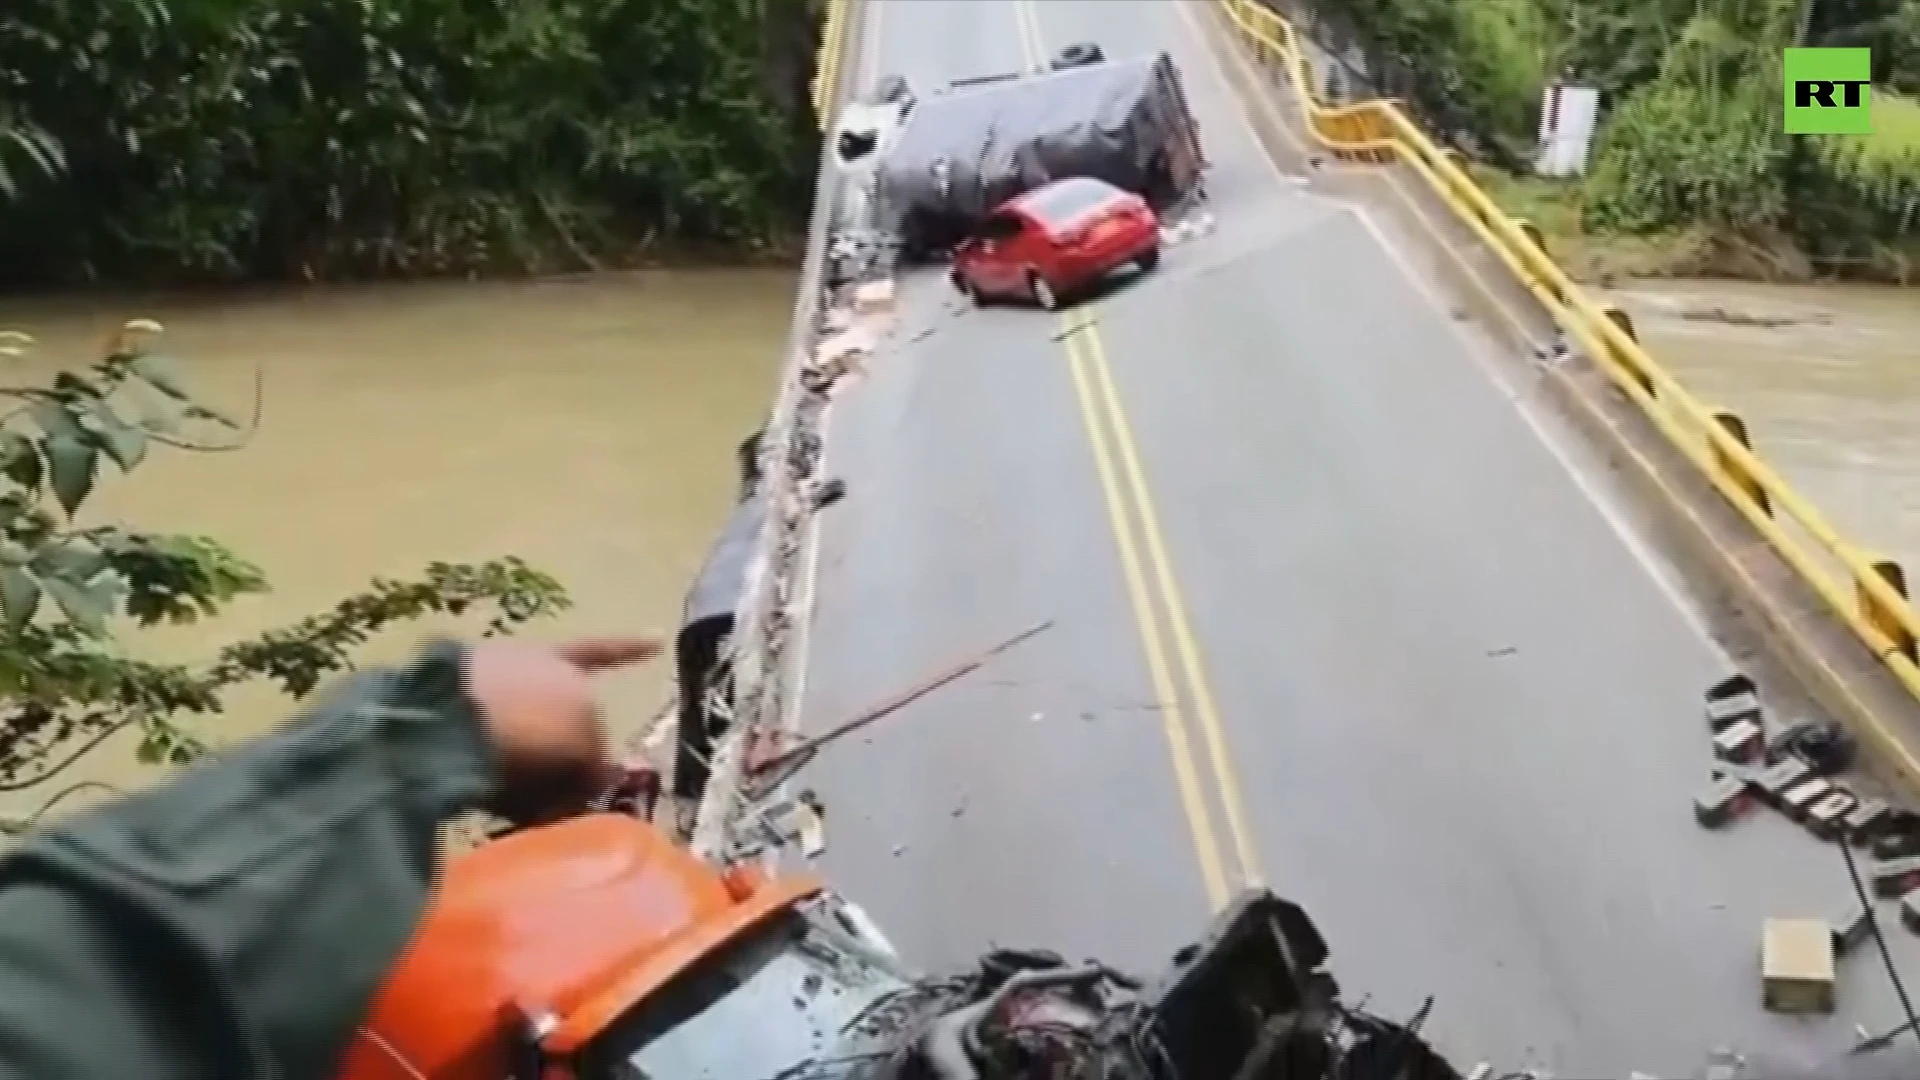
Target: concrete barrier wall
[[758, 682], [1866, 592]]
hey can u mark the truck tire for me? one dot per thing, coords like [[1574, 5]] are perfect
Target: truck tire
[[1161, 190], [1079, 54], [1042, 291]]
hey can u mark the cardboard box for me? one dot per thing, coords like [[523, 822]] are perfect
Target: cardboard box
[[1797, 966]]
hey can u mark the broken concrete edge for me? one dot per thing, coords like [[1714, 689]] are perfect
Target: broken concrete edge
[[758, 678]]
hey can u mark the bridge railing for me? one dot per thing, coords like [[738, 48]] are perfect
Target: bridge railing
[[757, 684], [1868, 593]]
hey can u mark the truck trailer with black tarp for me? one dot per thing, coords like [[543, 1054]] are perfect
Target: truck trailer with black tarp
[[967, 149]]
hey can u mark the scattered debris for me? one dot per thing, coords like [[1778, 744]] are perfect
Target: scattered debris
[[1731, 317], [1865, 820], [873, 297], [785, 762], [1732, 700], [778, 822], [1558, 352], [813, 828], [1724, 1064], [1722, 803], [1797, 965], [1505, 650], [1827, 819], [1188, 227], [829, 491], [1898, 836], [1896, 877], [1824, 744], [1852, 929], [1800, 800], [1798, 772], [1740, 743]]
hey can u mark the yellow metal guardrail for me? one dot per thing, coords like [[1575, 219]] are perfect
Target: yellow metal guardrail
[[826, 65], [1868, 593]]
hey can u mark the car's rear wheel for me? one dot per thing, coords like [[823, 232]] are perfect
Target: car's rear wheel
[[1043, 291], [1148, 259]]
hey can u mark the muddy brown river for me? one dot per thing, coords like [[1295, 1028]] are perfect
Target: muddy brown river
[[585, 424], [1828, 379]]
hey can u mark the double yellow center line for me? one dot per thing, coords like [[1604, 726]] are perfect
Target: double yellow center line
[[1160, 613], [1179, 677]]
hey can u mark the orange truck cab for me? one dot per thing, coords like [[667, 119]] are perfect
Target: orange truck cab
[[595, 949]]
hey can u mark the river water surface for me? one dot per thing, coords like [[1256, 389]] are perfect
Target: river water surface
[[585, 424], [1827, 378]]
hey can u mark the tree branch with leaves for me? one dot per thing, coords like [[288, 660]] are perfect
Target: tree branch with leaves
[[67, 586]]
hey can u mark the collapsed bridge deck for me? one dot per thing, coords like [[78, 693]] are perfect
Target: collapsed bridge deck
[[1336, 608]]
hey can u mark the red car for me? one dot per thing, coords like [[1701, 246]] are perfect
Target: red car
[[1056, 240]]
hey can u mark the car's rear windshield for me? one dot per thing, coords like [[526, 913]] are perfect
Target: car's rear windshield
[[1068, 201]]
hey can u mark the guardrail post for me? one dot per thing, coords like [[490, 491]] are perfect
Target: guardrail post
[[1734, 470], [1875, 612], [1625, 322], [1533, 233]]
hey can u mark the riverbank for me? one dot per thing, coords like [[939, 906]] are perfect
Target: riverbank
[[1602, 260]]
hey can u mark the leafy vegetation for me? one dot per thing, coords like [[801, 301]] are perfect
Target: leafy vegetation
[[1692, 142], [69, 586], [224, 139]]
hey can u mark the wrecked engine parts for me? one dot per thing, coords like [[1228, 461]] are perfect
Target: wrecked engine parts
[[1250, 999]]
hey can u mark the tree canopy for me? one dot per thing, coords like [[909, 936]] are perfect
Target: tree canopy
[[223, 139], [1692, 137]]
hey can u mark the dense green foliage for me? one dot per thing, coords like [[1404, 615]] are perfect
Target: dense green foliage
[[1700, 141], [69, 587], [1692, 138], [306, 138]]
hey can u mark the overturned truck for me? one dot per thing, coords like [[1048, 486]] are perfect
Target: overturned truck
[[966, 150]]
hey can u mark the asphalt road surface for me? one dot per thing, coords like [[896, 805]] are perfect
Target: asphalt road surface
[[1330, 614]]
